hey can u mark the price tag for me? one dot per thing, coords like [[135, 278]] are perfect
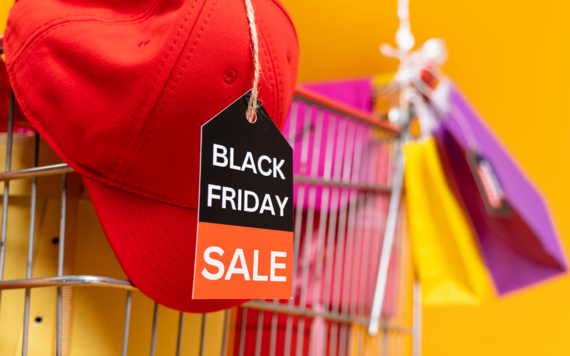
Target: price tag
[[244, 245]]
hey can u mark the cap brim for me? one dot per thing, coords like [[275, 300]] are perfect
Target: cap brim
[[155, 243]]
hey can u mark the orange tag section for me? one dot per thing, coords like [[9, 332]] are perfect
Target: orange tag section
[[235, 262]]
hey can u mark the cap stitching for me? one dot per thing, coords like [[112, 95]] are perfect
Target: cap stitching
[[123, 19], [116, 160], [269, 66], [156, 213], [25, 49], [45, 133], [282, 9], [167, 253], [182, 298], [173, 87], [137, 259], [167, 266]]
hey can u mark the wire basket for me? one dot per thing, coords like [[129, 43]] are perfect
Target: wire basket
[[343, 174]]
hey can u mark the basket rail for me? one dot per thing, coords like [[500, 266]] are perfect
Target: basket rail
[[108, 282], [323, 102]]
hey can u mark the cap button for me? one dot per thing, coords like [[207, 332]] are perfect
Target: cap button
[[230, 76]]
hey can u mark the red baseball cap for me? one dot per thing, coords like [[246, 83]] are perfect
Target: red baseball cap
[[120, 89]]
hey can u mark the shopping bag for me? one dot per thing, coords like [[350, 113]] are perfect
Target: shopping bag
[[445, 253], [519, 242]]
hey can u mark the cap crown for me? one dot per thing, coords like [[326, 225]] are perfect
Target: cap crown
[[120, 89]]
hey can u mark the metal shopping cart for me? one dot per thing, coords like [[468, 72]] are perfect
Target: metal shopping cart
[[343, 176]]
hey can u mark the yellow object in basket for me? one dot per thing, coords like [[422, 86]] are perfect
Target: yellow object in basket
[[93, 317]]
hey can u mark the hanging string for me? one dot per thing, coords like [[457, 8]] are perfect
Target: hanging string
[[253, 104], [404, 37]]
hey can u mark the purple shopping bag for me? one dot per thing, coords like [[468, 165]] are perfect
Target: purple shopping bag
[[518, 239]]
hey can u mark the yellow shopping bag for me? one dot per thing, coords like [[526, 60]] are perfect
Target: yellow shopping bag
[[446, 256]]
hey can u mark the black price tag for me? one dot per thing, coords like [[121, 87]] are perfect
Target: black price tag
[[244, 246]]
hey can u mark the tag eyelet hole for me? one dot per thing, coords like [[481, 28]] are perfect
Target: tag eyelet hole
[[253, 120]]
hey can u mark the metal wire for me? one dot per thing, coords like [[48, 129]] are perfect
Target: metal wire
[[127, 323], [243, 331], [180, 330], [225, 332], [298, 218], [273, 341], [334, 317], [71, 281], [328, 297], [259, 333], [30, 259], [310, 216], [388, 241], [203, 334], [350, 173], [36, 172], [417, 315], [331, 106], [154, 330], [60, 264], [384, 343], [325, 193], [342, 242], [6, 189]]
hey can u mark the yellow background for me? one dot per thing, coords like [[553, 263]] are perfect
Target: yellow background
[[511, 59]]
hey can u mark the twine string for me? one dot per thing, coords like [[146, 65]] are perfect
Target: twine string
[[253, 104]]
